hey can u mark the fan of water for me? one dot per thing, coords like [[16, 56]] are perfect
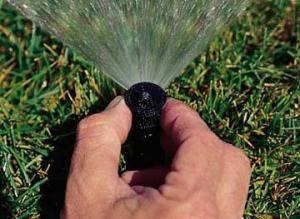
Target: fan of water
[[134, 40]]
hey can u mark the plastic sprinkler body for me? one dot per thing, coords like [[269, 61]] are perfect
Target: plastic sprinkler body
[[146, 101]]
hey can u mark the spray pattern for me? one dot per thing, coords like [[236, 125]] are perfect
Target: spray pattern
[[134, 41]]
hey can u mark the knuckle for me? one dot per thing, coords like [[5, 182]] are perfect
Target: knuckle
[[101, 122], [174, 177], [93, 128], [211, 139], [82, 123], [240, 156], [91, 122], [192, 134], [86, 122], [198, 135]]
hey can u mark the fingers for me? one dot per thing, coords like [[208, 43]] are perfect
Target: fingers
[[153, 177], [179, 122], [99, 139], [204, 167], [234, 183], [193, 142]]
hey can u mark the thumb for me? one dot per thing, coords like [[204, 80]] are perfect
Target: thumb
[[95, 161], [99, 139]]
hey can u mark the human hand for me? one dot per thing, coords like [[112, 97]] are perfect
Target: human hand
[[208, 178]]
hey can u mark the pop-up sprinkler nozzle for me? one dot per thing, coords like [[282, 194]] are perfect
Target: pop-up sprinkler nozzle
[[146, 101]]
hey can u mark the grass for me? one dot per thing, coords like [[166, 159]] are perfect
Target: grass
[[246, 87]]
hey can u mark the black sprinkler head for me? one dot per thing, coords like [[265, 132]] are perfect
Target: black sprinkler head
[[145, 101]]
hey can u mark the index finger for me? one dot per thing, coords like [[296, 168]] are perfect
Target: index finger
[[195, 146], [180, 123]]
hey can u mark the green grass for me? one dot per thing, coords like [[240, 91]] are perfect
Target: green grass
[[246, 87]]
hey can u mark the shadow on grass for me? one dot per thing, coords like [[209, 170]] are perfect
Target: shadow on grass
[[58, 163], [53, 190], [4, 206]]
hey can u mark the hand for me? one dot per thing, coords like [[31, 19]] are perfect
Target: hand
[[208, 178]]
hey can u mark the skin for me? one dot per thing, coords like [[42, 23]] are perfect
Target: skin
[[208, 178]]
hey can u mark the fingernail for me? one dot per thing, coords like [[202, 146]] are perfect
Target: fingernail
[[114, 102]]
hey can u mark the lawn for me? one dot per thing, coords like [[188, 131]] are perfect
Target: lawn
[[246, 86]]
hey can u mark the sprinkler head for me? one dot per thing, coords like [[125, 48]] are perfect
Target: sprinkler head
[[145, 101]]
